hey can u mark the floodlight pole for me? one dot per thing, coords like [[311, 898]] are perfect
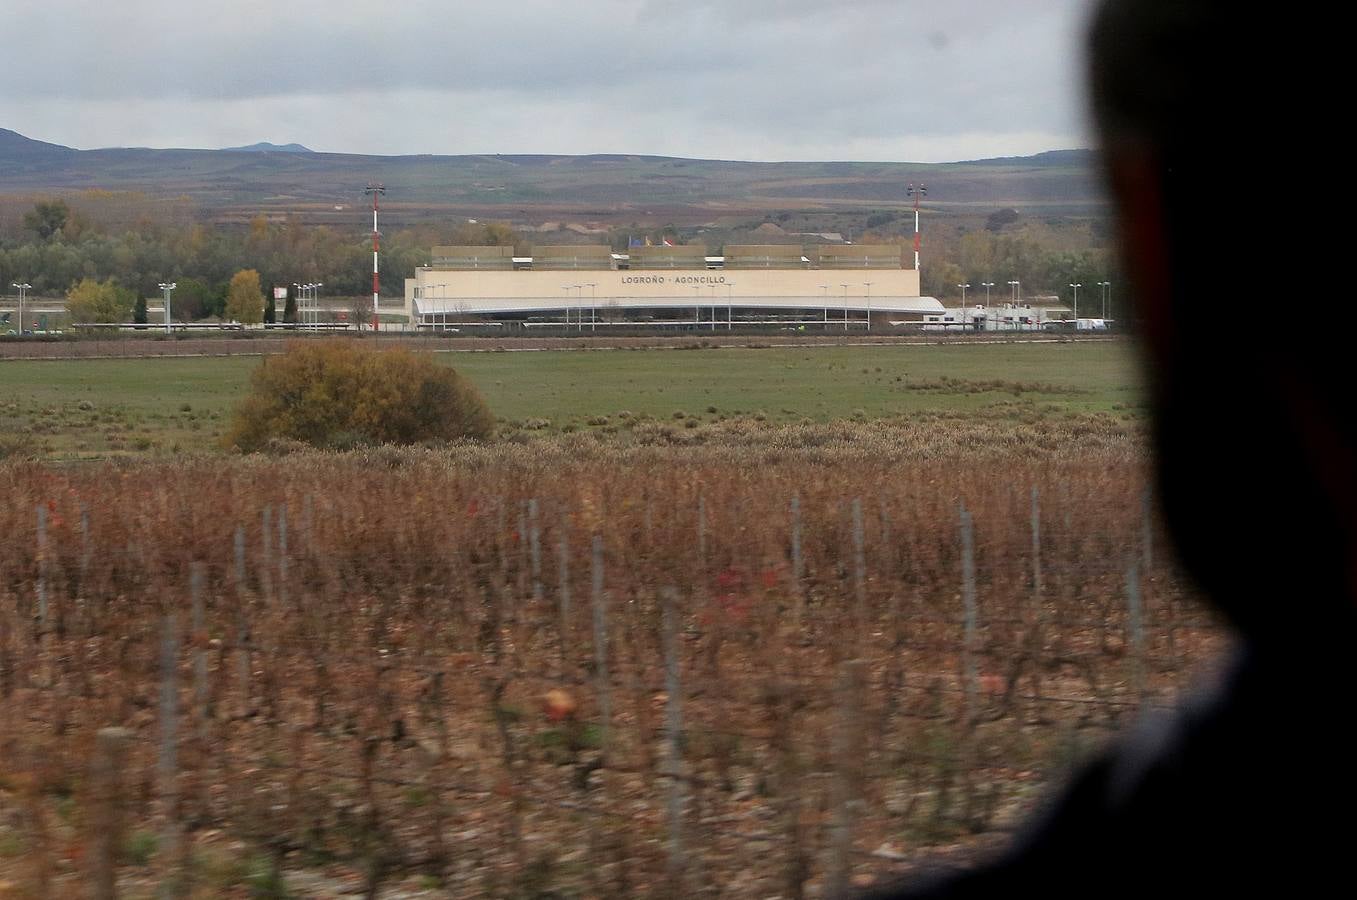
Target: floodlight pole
[[729, 290], [845, 306], [869, 304], [1106, 285], [375, 190], [22, 286], [1076, 304], [167, 288], [916, 191]]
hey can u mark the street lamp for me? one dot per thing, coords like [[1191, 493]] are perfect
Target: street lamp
[[845, 306], [824, 298], [1017, 291], [869, 304], [593, 306], [167, 287], [729, 286], [22, 286], [1076, 304], [1106, 286]]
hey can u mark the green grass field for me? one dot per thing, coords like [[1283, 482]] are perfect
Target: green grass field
[[76, 408]]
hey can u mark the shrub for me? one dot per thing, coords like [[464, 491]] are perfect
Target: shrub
[[340, 393]]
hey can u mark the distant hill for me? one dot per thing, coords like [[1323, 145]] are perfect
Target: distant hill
[[237, 183], [14, 146], [266, 147], [1045, 158]]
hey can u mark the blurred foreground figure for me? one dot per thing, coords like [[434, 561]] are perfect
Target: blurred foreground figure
[[1248, 789]]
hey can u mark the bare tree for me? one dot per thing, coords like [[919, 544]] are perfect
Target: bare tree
[[360, 311]]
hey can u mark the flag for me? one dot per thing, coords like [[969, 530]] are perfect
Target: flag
[[668, 243]]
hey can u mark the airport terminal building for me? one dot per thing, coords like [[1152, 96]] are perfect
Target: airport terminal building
[[590, 287]]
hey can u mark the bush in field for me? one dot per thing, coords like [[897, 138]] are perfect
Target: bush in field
[[340, 393]]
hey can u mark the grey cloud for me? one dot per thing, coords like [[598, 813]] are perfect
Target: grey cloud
[[716, 75]]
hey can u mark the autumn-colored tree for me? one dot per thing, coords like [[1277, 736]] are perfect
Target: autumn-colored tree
[[47, 218], [342, 393], [244, 299], [99, 301]]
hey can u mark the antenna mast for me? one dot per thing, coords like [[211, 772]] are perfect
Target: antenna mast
[[916, 191], [377, 190]]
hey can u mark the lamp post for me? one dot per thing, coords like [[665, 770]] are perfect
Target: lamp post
[[1076, 303], [1017, 291], [824, 298], [845, 306], [22, 286], [167, 287], [315, 303], [729, 286], [442, 305], [987, 285], [869, 304], [1106, 286], [593, 306]]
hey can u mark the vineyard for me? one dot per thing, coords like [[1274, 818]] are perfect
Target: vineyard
[[557, 669]]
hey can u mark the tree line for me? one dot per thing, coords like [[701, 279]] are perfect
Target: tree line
[[107, 266]]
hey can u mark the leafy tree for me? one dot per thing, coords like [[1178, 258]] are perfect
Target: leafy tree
[[341, 393], [290, 308], [99, 301], [47, 218], [270, 309], [193, 300], [139, 309], [244, 299]]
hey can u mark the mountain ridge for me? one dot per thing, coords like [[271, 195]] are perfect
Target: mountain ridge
[[629, 187]]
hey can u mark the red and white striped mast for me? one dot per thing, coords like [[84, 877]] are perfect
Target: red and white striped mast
[[916, 191], [376, 190]]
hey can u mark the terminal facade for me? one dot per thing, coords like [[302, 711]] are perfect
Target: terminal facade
[[592, 288]]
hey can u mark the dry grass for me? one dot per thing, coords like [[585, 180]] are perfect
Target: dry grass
[[371, 703]]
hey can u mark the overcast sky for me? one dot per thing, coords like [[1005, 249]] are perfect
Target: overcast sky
[[917, 80]]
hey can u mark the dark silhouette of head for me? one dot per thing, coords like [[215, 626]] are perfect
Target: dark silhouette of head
[[1253, 419]]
